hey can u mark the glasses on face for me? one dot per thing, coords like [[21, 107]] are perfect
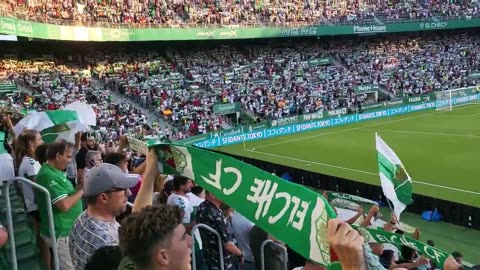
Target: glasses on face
[[126, 191]]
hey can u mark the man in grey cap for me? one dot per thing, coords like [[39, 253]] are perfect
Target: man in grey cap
[[106, 190]]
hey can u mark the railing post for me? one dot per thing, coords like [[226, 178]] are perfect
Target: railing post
[[11, 232], [262, 253], [51, 223], [220, 246]]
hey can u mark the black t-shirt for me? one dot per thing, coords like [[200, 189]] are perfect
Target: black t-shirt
[[80, 158]]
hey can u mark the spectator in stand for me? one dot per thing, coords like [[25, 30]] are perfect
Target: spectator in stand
[[182, 186], [92, 158], [87, 143], [209, 213], [106, 190], [458, 257], [241, 228], [3, 235], [7, 169], [41, 153], [105, 258], [66, 200], [155, 239], [28, 167]]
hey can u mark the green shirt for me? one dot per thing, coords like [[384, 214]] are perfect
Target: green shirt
[[59, 187], [126, 264]]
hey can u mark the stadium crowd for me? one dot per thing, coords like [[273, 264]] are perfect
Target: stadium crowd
[[142, 13], [271, 82], [93, 232], [300, 77]]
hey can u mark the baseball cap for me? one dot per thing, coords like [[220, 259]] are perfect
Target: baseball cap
[[106, 176]]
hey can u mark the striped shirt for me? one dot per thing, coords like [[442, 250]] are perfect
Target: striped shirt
[[88, 235]]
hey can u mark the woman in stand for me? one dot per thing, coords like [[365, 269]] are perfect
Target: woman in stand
[[28, 166]]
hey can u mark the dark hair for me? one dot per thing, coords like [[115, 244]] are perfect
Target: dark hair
[[57, 148], [105, 258], [407, 252], [167, 190], [143, 231], [21, 145], [179, 181], [386, 258], [197, 190], [430, 243], [41, 153], [114, 158], [85, 136], [457, 254]]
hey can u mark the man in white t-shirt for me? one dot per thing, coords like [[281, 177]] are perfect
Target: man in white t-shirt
[[182, 186]]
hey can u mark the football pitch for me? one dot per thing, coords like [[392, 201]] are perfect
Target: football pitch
[[440, 150]]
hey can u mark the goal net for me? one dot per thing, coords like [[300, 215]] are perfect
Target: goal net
[[446, 100]]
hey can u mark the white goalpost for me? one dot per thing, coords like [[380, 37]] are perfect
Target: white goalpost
[[447, 100]]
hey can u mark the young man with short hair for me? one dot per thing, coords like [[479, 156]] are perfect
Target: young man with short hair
[[156, 239]]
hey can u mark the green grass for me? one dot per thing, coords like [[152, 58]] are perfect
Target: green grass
[[440, 149]]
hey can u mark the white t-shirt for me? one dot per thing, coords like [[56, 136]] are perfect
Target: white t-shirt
[[183, 203], [29, 167], [7, 171]]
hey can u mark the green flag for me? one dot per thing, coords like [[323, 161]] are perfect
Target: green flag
[[396, 183], [292, 213]]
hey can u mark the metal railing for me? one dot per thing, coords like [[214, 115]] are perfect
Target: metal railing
[[220, 246], [11, 232], [284, 253]]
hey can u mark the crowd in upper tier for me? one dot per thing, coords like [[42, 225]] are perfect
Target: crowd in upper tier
[[184, 13]]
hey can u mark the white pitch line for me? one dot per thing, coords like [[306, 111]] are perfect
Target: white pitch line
[[455, 116], [335, 132], [360, 171], [421, 132]]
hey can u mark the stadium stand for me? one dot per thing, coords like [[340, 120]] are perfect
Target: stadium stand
[[181, 85]]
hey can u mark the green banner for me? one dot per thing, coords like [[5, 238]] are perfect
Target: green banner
[[320, 61], [17, 27], [378, 236], [291, 213], [332, 195], [367, 88], [227, 108], [8, 87], [374, 106], [420, 98]]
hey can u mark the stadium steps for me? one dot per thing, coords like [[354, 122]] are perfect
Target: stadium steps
[[28, 257]]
